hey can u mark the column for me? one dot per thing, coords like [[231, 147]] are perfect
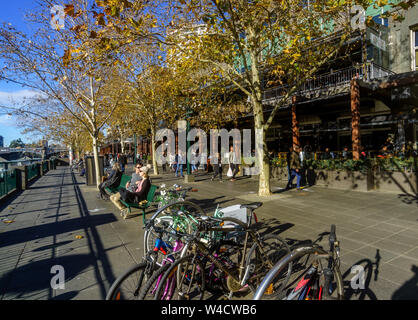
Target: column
[[295, 125], [355, 121]]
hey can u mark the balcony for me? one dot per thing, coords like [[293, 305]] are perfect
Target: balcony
[[328, 84]]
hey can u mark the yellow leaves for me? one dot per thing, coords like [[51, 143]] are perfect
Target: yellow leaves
[[8, 221], [69, 10], [67, 57], [382, 3], [296, 56], [79, 237]]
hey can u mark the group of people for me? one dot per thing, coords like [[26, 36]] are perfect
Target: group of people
[[233, 167], [178, 161], [135, 191]]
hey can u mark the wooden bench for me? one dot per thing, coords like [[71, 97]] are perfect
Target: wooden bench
[[143, 205], [123, 181]]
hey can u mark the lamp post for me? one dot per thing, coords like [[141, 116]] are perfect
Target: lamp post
[[135, 146], [189, 177]]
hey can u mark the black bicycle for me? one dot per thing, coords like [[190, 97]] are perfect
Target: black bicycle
[[315, 274]]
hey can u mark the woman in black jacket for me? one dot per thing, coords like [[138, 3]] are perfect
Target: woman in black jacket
[[112, 181], [142, 190]]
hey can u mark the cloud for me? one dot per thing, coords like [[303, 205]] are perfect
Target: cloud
[[7, 121], [15, 98]]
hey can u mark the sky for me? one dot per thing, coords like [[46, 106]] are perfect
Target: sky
[[10, 94]]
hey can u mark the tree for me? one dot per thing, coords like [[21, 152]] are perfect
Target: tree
[[153, 101], [249, 44], [68, 67], [17, 143]]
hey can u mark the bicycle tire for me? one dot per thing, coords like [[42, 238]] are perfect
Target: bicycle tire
[[115, 293], [150, 236], [166, 212], [176, 268], [300, 256], [275, 248]]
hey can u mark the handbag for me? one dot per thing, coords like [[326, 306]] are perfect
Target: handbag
[[229, 173]]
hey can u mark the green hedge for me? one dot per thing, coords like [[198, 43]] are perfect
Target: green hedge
[[386, 164]]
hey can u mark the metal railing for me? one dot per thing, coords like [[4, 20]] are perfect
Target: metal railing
[[33, 171], [8, 182], [331, 80]]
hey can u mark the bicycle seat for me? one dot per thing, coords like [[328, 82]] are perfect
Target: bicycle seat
[[252, 206]]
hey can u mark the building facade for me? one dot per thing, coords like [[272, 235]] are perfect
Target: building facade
[[381, 106]]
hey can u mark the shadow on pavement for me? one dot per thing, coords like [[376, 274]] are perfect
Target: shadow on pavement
[[36, 276], [52, 229], [409, 290], [361, 279]]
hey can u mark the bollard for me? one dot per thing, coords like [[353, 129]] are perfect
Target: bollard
[[41, 169], [21, 178]]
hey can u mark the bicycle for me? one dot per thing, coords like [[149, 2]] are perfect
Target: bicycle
[[198, 266], [180, 216], [168, 196], [128, 285], [310, 280]]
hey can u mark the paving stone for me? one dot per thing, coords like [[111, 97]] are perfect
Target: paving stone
[[365, 222]]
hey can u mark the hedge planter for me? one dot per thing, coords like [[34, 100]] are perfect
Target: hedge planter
[[396, 181]]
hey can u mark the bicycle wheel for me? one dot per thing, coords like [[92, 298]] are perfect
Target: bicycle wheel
[[183, 280], [308, 273], [261, 259], [229, 253], [127, 286], [179, 216]]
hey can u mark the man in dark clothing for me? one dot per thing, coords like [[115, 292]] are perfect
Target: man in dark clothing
[[327, 155], [112, 181], [295, 167], [217, 168]]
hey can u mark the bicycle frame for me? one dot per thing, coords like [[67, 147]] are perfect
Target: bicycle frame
[[199, 247], [169, 288]]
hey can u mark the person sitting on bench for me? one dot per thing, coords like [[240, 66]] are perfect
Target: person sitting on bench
[[112, 181], [131, 186], [141, 191]]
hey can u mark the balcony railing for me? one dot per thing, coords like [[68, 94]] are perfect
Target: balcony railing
[[331, 80]]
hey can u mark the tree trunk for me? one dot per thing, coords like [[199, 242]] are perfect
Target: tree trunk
[[261, 151], [260, 135], [96, 160], [154, 159], [122, 145], [71, 154]]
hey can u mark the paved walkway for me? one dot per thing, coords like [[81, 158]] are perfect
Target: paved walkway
[[377, 231]]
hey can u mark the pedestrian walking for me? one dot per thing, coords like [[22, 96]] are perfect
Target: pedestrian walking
[[217, 167], [232, 159], [179, 164], [295, 167]]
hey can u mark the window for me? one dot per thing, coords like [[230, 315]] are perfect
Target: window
[[414, 49]]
